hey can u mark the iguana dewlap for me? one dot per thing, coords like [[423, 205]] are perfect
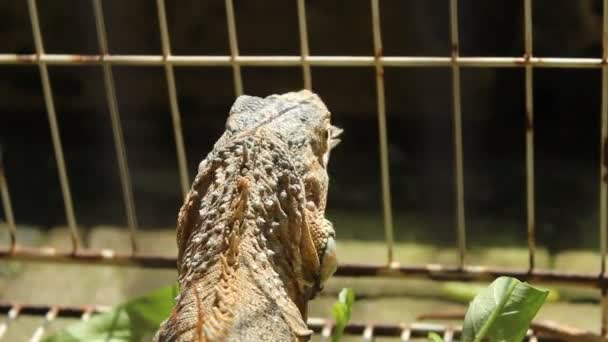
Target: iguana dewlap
[[254, 245]]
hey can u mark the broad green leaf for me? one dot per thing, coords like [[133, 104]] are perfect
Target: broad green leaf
[[434, 337], [503, 311], [342, 311], [135, 320], [465, 292]]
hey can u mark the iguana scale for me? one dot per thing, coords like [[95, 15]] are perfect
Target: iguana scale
[[253, 241]]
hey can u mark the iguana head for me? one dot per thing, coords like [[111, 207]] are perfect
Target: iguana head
[[303, 123], [253, 242]]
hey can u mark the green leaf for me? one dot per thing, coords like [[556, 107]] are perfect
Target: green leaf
[[342, 310], [135, 320], [465, 292], [503, 311], [434, 337]]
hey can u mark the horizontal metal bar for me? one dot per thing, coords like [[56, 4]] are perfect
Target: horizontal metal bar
[[292, 61], [547, 330], [416, 329], [88, 256], [316, 324], [431, 271], [42, 309], [420, 329]]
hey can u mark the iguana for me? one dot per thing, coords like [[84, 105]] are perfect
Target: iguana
[[253, 241]]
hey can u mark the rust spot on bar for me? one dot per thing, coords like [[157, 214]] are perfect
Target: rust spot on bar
[[605, 156], [531, 243], [604, 328], [455, 50], [26, 59], [525, 60], [379, 68], [379, 53], [529, 122], [86, 58]]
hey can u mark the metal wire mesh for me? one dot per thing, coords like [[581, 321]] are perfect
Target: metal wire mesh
[[455, 62]]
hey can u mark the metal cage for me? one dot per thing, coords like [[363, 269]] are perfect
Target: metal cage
[[462, 271]]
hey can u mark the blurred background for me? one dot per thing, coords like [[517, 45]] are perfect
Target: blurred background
[[419, 117], [567, 111]]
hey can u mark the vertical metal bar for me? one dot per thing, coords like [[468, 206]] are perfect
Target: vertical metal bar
[[604, 146], [119, 144], [50, 317], [406, 334], [54, 127], [175, 114], [234, 48], [6, 204], [604, 169], [86, 315], [326, 331], [10, 317], [448, 335], [368, 333], [604, 311], [458, 169], [383, 135], [530, 201], [304, 50]]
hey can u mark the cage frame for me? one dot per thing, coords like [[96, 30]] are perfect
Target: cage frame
[[462, 271]]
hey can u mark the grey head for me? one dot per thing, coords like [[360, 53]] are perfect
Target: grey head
[[300, 119], [302, 123]]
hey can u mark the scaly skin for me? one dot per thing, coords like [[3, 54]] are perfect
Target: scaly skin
[[254, 245]]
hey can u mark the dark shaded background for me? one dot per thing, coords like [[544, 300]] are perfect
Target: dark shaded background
[[567, 111]]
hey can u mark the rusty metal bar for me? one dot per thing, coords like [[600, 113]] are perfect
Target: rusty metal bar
[[234, 48], [448, 334], [368, 333], [604, 310], [117, 133], [12, 312], [416, 330], [325, 328], [304, 49], [172, 89], [458, 158], [290, 61], [430, 271], [603, 205], [66, 311], [49, 317], [383, 134], [7, 206], [54, 127], [88, 256], [86, 315], [530, 201]]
